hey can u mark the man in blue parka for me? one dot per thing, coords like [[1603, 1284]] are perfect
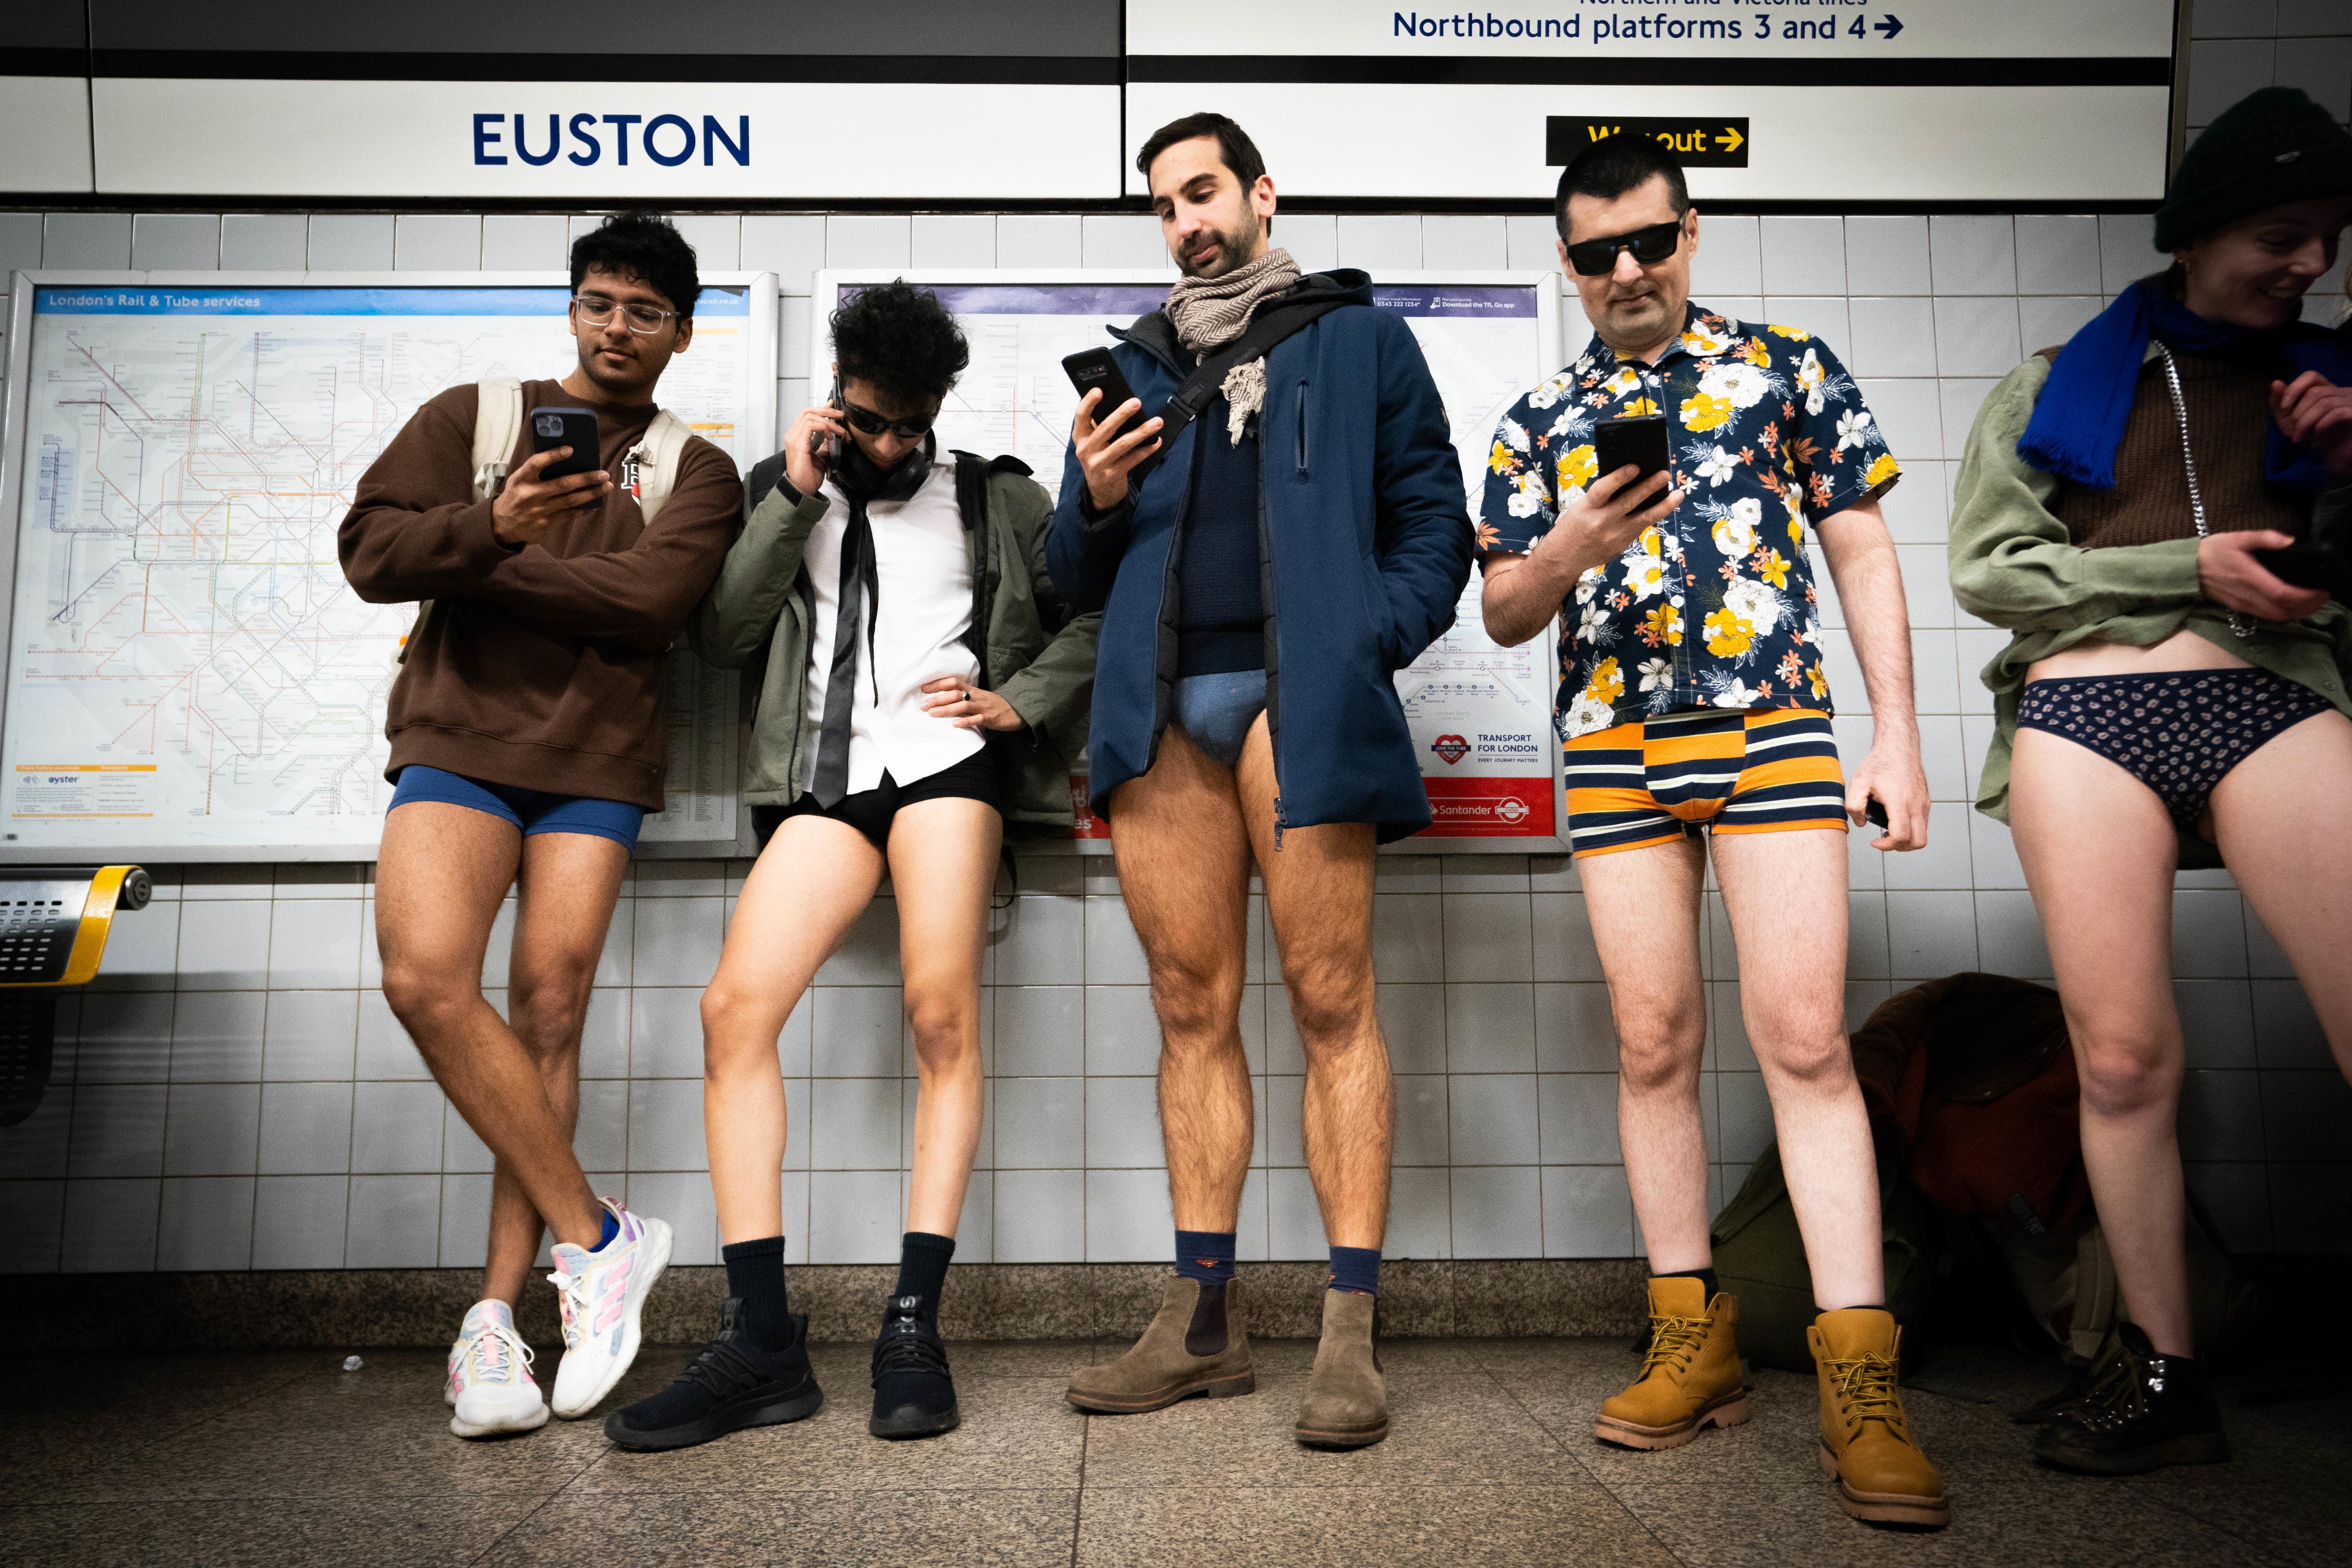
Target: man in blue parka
[[1261, 581]]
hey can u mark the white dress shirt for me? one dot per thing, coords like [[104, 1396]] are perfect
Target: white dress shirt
[[922, 563]]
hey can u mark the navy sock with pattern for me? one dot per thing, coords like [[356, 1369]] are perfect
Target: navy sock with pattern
[[1204, 1255], [1356, 1269]]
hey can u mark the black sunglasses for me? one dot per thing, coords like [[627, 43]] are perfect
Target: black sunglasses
[[873, 423], [1655, 243]]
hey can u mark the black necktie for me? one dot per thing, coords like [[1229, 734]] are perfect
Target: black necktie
[[859, 481]]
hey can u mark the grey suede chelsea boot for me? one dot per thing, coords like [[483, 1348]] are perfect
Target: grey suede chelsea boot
[[1195, 1345], [1346, 1401]]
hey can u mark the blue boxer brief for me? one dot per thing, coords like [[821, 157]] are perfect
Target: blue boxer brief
[[530, 810], [1217, 710]]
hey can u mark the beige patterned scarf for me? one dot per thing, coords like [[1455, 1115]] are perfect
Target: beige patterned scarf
[[1210, 312]]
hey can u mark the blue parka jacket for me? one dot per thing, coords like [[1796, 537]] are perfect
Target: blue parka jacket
[[1365, 540]]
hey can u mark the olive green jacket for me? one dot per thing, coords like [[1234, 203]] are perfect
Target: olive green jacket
[[1036, 654], [2014, 564]]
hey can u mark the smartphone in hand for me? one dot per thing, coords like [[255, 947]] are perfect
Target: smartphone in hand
[[1090, 369], [1639, 440], [572, 427]]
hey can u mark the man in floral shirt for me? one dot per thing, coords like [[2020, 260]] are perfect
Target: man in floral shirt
[[1693, 699]]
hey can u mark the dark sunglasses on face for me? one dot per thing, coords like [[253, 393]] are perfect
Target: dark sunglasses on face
[[1594, 256], [873, 423]]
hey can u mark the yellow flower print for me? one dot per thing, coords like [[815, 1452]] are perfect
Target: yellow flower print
[[1702, 344], [1794, 334], [1728, 635], [1880, 471], [1773, 568], [1624, 382], [1652, 543], [1757, 355], [1663, 624], [1819, 681], [1639, 406], [1704, 412], [1608, 682], [1577, 467], [1501, 461], [1796, 518]]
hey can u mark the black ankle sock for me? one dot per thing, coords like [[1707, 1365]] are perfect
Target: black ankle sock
[[755, 1274], [923, 1268], [1705, 1278]]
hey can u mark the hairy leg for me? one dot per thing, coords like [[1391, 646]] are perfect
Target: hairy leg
[[1318, 898], [1184, 867], [942, 865], [567, 889], [441, 873], [2099, 854], [1786, 894], [2284, 819], [1644, 906], [806, 889]]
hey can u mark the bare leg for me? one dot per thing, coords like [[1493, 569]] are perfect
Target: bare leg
[[2099, 854], [1319, 895], [1786, 894], [1184, 867], [441, 873], [1643, 905], [804, 891], [570, 882], [942, 864], [2283, 818]]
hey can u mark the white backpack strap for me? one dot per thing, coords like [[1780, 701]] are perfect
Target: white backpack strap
[[650, 470], [498, 425]]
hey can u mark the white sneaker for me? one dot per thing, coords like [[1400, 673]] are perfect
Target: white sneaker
[[601, 1294], [490, 1376]]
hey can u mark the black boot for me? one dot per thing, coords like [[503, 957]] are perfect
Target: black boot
[[913, 1395], [2146, 1411], [2062, 1404], [732, 1384]]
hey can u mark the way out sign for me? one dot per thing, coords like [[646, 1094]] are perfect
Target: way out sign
[[1720, 142]]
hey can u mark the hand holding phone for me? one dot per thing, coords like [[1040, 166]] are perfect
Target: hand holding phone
[[1105, 403], [1640, 441], [1628, 496], [812, 446], [555, 481]]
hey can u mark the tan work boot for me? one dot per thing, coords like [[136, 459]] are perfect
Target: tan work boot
[[1347, 1400], [1196, 1346], [1690, 1379], [1866, 1445]]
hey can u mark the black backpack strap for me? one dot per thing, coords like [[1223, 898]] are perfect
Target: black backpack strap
[[1272, 324], [766, 474]]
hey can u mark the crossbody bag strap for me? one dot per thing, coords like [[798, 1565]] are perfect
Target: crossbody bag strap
[[1273, 323]]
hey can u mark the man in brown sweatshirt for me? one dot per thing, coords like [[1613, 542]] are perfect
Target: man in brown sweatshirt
[[527, 744]]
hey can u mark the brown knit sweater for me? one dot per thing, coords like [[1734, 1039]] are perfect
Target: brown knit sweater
[[539, 668], [2229, 417]]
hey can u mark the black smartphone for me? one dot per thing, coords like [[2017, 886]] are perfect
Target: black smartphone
[[1639, 440], [1873, 812], [1091, 368], [572, 427], [2321, 559]]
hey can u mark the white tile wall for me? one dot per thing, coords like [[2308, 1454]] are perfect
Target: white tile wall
[[235, 1094]]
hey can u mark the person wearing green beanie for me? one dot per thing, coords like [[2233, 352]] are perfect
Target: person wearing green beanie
[[2167, 699]]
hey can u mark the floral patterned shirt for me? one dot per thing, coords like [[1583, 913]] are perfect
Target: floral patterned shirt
[[1715, 608]]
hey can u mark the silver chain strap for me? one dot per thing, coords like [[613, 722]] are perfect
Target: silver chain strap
[[2238, 623]]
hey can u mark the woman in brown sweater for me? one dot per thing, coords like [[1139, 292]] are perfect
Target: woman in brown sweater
[[2166, 693]]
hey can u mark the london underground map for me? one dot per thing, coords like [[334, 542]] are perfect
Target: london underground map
[[187, 668]]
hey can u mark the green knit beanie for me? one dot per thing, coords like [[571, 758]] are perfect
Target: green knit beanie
[[2272, 147]]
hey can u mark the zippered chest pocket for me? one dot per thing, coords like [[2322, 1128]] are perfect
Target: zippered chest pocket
[[1302, 429]]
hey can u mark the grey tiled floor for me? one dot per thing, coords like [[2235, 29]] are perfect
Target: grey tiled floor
[[282, 1458]]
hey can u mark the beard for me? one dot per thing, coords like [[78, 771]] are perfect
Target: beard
[[1234, 248]]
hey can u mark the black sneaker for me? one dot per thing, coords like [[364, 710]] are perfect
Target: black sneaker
[[731, 1386], [2146, 1411], [913, 1395]]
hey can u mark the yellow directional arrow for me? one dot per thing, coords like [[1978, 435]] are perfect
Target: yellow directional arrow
[[1730, 140]]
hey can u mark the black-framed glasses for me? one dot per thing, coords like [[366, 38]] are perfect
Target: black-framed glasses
[[1593, 256], [597, 310], [873, 423]]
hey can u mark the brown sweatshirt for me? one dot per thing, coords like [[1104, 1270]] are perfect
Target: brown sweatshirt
[[2228, 419], [539, 668]]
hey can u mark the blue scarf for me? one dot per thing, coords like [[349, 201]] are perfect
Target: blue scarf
[[2079, 421]]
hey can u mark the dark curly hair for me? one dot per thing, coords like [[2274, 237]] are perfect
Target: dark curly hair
[[641, 246], [900, 338]]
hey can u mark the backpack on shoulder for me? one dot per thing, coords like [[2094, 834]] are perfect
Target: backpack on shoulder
[[648, 470]]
